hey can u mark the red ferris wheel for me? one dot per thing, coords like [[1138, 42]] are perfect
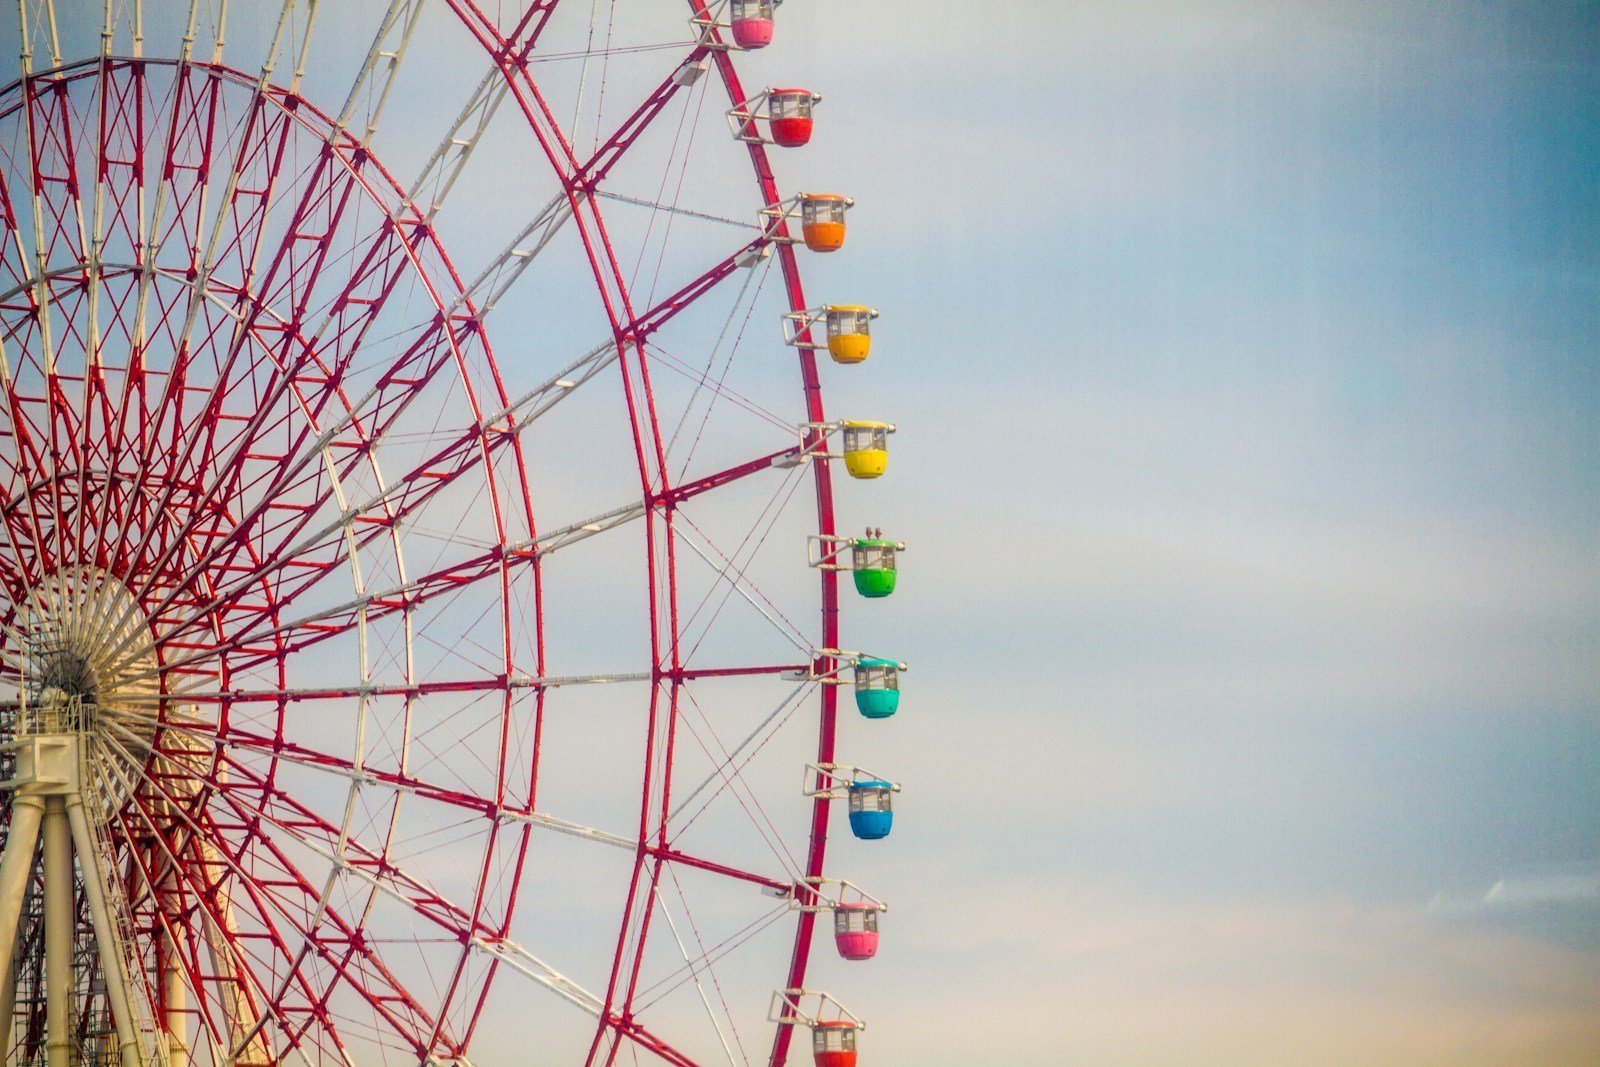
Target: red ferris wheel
[[412, 418]]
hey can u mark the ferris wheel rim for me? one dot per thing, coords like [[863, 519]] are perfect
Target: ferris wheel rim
[[712, 48], [646, 431], [466, 386]]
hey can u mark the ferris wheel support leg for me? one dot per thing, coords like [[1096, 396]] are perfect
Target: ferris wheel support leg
[[174, 996], [59, 923], [106, 936], [16, 866], [8, 1006]]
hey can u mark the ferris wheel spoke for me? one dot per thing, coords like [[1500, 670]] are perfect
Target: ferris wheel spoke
[[438, 175], [694, 971], [508, 50], [306, 469], [365, 103], [185, 165], [496, 279], [688, 70], [257, 864], [688, 490], [264, 639], [409, 784], [234, 990], [734, 574], [307, 630], [306, 907], [170, 923], [234, 238], [132, 15], [341, 848], [23, 512], [673, 209], [384, 876], [633, 936], [528, 407], [537, 401], [377, 870], [639, 911], [270, 638], [658, 316], [206, 874], [49, 118], [520, 961], [286, 34], [117, 174], [25, 529], [39, 33], [399, 782], [304, 631], [119, 178], [58, 233], [686, 859], [424, 688], [19, 571], [230, 242], [18, 309], [327, 841], [704, 960]]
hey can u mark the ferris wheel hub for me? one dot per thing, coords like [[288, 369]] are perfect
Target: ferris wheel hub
[[90, 680]]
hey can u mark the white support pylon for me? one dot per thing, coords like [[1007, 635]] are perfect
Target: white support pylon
[[113, 964], [47, 795], [60, 927], [8, 1006], [16, 866], [174, 997]]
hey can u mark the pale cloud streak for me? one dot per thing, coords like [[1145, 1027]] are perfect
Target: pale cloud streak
[[1096, 977], [1244, 361]]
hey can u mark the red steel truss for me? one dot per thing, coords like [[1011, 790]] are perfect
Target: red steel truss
[[213, 405]]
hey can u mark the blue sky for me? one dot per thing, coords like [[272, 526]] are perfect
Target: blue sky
[[1247, 359]]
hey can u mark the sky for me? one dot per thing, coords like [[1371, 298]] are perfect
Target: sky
[[1246, 363]]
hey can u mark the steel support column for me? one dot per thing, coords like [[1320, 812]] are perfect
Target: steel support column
[[16, 866], [106, 936], [60, 922]]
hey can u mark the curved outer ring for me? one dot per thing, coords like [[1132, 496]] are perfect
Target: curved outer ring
[[438, 288], [511, 56]]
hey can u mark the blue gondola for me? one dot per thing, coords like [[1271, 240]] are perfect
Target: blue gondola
[[871, 809]]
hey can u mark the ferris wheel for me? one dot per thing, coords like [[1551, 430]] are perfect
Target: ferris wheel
[[420, 585]]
